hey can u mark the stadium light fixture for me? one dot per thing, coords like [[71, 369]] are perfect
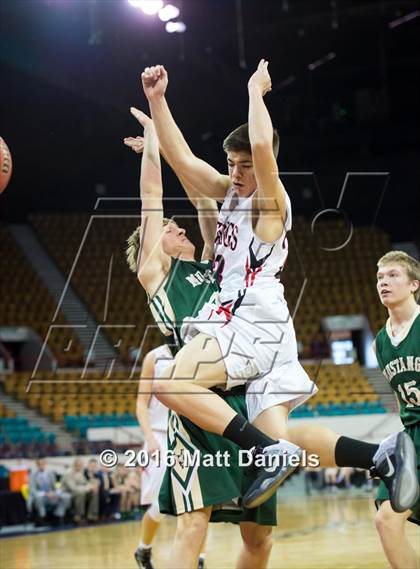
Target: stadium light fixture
[[168, 12], [172, 27], [149, 7]]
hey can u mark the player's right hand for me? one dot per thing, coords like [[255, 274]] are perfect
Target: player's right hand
[[261, 78], [154, 80]]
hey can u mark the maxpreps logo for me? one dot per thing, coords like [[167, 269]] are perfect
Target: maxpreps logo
[[227, 235]]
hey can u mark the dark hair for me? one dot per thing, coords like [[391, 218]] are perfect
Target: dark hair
[[238, 141]]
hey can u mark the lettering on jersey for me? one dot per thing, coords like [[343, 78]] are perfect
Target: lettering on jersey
[[227, 235], [198, 278], [401, 365]]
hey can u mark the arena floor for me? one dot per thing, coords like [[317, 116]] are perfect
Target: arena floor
[[319, 532]]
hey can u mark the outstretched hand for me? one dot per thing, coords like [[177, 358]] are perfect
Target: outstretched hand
[[136, 144], [143, 119], [154, 80], [261, 78]]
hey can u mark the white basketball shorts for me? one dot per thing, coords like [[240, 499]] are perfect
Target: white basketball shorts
[[257, 339]]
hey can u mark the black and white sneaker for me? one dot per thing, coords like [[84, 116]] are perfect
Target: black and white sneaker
[[396, 464], [200, 563], [274, 464], [144, 558]]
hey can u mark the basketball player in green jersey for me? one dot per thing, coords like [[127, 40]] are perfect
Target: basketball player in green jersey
[[397, 347], [159, 247], [177, 286]]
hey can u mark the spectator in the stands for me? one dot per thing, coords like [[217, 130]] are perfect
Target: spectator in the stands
[[85, 493], [121, 487], [44, 494], [133, 483], [109, 500], [91, 472]]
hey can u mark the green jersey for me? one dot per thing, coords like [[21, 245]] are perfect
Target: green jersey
[[400, 364], [187, 286]]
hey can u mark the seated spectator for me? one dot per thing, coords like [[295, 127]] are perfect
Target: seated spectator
[[85, 493], [120, 486], [91, 472], [43, 492], [133, 484], [109, 501]]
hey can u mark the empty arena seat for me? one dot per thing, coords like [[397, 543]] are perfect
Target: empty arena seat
[[33, 308]]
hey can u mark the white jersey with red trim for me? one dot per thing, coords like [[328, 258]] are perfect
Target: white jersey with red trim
[[241, 259], [252, 322], [158, 413]]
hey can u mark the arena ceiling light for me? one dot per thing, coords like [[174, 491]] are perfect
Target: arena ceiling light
[[149, 7], [172, 27], [168, 12]]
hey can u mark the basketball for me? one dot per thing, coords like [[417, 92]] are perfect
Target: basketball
[[5, 165]]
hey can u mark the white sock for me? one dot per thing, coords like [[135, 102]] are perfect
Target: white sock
[[143, 546], [202, 556]]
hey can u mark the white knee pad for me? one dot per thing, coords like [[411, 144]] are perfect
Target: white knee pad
[[154, 512]]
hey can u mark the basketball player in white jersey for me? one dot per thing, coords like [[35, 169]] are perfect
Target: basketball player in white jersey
[[250, 335], [153, 419]]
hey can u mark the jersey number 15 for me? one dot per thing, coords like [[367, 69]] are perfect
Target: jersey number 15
[[409, 393]]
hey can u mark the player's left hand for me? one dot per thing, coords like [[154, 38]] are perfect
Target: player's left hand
[[261, 78], [136, 144]]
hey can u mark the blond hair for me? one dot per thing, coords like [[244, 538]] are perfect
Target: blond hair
[[410, 264], [133, 242]]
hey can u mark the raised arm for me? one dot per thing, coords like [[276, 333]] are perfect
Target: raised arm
[[270, 199], [143, 398], [152, 262], [207, 209], [207, 214], [198, 174]]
